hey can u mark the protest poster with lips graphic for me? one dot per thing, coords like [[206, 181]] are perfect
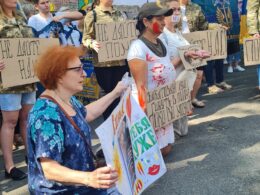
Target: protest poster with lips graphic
[[130, 146]]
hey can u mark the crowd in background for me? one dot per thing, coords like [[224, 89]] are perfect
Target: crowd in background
[[153, 60]]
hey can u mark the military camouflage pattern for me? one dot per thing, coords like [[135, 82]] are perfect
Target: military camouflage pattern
[[102, 17], [253, 16], [15, 28], [196, 18]]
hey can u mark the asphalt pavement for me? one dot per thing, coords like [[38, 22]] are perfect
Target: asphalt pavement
[[220, 154]]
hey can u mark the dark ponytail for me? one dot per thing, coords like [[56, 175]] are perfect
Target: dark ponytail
[[140, 25]]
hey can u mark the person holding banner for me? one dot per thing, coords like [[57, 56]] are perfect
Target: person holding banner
[[174, 39], [108, 73], [15, 102], [253, 20], [193, 20], [60, 158], [150, 63]]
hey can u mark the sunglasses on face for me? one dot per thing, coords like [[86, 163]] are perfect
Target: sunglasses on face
[[78, 69]]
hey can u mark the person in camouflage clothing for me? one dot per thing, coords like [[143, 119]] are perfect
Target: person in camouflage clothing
[[193, 20], [253, 17], [108, 73], [16, 101], [253, 24], [199, 22]]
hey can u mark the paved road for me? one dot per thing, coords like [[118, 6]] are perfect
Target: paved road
[[220, 155]]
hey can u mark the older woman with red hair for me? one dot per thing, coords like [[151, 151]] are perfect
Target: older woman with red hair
[[60, 158]]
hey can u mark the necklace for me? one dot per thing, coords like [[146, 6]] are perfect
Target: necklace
[[68, 104]]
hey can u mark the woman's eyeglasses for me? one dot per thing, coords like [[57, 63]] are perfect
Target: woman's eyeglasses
[[176, 9], [78, 69]]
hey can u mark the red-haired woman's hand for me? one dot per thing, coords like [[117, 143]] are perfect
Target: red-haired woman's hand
[[119, 89], [104, 177]]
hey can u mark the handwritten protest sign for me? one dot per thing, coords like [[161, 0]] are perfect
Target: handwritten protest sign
[[168, 103], [20, 55], [190, 63], [129, 144], [213, 41], [251, 51], [115, 39], [57, 4]]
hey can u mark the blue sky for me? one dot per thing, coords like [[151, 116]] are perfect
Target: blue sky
[[130, 2]]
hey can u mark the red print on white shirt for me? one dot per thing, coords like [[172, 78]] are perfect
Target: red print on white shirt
[[157, 71]]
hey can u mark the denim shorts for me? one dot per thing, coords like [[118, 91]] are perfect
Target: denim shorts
[[236, 57], [13, 102]]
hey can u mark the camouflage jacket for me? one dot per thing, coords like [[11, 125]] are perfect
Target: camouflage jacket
[[253, 16], [89, 33], [196, 19], [15, 28]]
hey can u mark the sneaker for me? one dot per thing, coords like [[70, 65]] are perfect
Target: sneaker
[[224, 85], [239, 68], [230, 69], [15, 174], [214, 89]]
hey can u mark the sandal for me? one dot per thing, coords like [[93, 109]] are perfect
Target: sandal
[[197, 104], [214, 89], [223, 85]]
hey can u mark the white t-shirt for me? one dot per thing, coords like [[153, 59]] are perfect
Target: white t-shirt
[[38, 23], [173, 41], [160, 72], [74, 38], [185, 26], [160, 69]]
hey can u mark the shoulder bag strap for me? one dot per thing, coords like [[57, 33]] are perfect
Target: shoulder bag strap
[[73, 124]]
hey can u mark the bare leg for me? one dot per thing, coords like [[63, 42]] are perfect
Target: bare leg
[[166, 150], [23, 115], [197, 84], [7, 134]]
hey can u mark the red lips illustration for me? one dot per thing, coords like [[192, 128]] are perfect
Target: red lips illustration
[[154, 170]]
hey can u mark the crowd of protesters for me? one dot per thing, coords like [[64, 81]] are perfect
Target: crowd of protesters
[[54, 127]]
